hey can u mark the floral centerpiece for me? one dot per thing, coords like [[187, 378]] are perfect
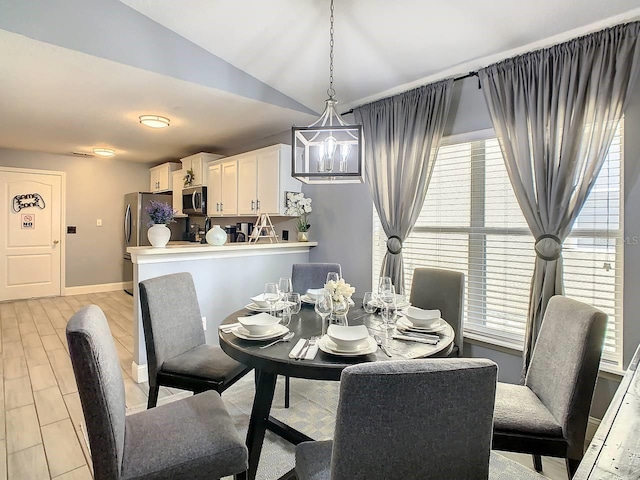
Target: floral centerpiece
[[299, 206], [160, 213], [340, 292]]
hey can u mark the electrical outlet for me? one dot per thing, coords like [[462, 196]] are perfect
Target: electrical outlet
[[99, 222], [204, 323], [285, 234]]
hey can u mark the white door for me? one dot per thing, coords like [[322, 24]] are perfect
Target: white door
[[31, 240], [268, 177]]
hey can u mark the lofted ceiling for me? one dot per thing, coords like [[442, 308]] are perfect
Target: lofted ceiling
[[78, 73]]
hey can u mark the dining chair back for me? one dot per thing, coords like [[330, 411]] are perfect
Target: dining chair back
[[548, 415], [177, 353], [435, 288], [190, 438], [427, 419], [311, 275]]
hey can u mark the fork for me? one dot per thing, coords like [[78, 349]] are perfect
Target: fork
[[303, 352]]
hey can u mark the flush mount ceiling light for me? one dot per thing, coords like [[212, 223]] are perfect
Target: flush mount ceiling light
[[329, 150], [154, 121], [104, 152]]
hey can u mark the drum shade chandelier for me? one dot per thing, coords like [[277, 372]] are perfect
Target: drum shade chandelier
[[329, 150]]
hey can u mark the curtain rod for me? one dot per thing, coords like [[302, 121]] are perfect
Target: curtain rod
[[462, 77]]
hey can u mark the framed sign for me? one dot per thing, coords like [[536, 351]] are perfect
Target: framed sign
[[28, 221]]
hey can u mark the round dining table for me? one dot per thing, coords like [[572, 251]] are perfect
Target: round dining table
[[274, 360]]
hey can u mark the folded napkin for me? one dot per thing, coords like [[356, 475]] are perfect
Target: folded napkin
[[228, 327], [311, 352], [407, 338]]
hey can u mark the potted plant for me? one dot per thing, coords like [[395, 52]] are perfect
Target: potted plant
[[160, 215], [299, 206]]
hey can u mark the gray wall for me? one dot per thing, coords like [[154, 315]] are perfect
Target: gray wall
[[95, 189]]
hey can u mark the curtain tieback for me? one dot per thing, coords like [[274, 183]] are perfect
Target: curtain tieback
[[394, 245], [548, 247]]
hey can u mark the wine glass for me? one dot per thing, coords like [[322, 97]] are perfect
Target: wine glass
[[284, 286], [324, 307], [369, 302], [271, 295], [388, 299], [335, 276], [384, 282], [294, 302]]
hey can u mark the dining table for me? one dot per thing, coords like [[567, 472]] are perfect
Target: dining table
[[275, 360]]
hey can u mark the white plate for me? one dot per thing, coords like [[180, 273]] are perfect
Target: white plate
[[244, 334], [404, 322], [255, 308], [306, 299], [326, 345], [399, 305]]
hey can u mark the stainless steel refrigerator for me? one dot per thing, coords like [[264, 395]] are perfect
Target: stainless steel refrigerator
[[135, 221]]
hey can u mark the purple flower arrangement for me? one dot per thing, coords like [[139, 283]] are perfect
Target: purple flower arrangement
[[160, 213]]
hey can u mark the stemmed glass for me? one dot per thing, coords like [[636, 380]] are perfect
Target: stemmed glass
[[285, 288], [335, 276], [324, 307], [384, 283], [388, 299], [271, 295]]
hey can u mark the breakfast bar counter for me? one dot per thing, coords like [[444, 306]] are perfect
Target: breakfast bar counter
[[226, 277]]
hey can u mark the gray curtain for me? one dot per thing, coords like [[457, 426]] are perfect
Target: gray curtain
[[555, 112], [402, 135]]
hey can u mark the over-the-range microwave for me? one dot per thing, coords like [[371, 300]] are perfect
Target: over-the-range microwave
[[194, 201]]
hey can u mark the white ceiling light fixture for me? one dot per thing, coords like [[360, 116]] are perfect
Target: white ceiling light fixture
[[154, 121], [104, 152], [329, 150]]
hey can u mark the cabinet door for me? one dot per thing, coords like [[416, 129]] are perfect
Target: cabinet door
[[229, 200], [214, 190], [268, 182], [165, 178], [153, 180], [177, 191], [247, 185]]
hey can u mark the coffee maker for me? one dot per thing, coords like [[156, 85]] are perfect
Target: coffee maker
[[243, 230]]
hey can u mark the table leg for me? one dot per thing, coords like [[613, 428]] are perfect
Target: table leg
[[265, 387]]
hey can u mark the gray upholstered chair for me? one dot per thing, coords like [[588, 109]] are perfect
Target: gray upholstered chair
[[548, 414], [442, 289], [426, 419], [311, 275], [177, 355], [190, 438]]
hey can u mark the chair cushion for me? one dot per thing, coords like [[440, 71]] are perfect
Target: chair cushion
[[313, 460], [204, 361], [519, 410], [193, 438]]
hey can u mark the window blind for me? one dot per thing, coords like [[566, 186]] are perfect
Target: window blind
[[471, 222]]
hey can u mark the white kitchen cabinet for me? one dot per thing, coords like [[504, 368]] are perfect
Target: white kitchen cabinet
[[178, 175], [161, 177], [222, 188], [263, 178], [199, 164]]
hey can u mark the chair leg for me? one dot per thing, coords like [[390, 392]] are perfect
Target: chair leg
[[572, 466], [153, 396], [287, 387], [240, 476], [537, 463]]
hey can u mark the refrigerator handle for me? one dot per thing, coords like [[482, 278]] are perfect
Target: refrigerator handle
[[127, 225]]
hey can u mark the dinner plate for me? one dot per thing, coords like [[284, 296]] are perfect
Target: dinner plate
[[404, 322], [244, 334], [255, 308], [399, 305], [326, 345]]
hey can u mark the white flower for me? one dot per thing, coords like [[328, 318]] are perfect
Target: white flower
[[339, 290], [307, 209]]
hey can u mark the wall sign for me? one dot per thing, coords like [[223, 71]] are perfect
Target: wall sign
[[28, 221], [26, 201]]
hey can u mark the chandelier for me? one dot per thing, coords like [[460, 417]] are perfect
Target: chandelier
[[329, 150]]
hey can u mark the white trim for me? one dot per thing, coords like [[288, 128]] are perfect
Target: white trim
[[139, 373], [98, 288], [592, 426], [465, 137]]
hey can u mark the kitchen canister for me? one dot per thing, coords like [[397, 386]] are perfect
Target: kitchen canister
[[216, 236]]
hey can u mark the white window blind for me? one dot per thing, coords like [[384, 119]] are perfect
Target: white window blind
[[471, 222]]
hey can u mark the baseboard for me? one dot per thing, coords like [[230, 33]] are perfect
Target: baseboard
[[86, 289], [139, 373], [592, 426]]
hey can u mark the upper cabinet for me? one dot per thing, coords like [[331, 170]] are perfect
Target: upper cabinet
[[198, 164], [177, 193], [222, 188], [161, 177], [263, 178]]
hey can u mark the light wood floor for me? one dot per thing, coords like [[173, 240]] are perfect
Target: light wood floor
[[41, 416]]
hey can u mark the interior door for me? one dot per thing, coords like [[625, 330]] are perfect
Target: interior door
[[31, 242]]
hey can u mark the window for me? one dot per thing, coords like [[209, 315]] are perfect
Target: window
[[471, 222]]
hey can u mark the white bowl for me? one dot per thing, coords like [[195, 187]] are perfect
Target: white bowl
[[260, 301], [347, 338], [423, 318], [313, 293], [259, 324]]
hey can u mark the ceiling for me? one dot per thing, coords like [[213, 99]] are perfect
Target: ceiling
[[77, 74]]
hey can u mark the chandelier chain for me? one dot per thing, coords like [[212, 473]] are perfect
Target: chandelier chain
[[330, 91]]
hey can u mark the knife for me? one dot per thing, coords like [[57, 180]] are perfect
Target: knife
[[303, 350]]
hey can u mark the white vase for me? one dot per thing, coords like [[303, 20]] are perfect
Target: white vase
[[303, 236], [216, 236], [159, 235]]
